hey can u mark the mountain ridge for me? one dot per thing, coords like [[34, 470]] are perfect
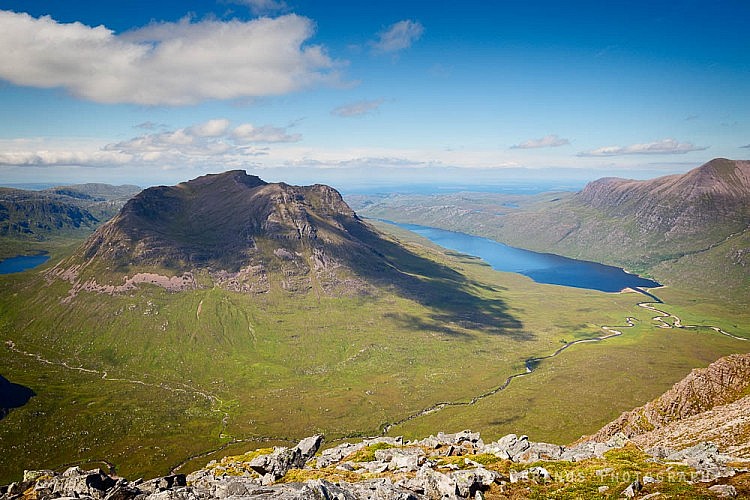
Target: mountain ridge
[[722, 388]]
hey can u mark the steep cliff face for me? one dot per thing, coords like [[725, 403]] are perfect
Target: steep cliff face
[[711, 403]]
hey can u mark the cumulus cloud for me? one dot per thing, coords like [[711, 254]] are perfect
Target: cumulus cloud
[[662, 147], [211, 128], [358, 108], [46, 158], [211, 141], [549, 141], [398, 36], [174, 63], [262, 7]]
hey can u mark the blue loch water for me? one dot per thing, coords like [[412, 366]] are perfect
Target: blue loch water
[[22, 263], [541, 267]]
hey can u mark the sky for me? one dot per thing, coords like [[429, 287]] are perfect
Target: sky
[[361, 94]]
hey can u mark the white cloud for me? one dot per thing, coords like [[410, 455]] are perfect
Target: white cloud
[[149, 125], [213, 141], [165, 63], [261, 7], [662, 147], [398, 36], [211, 128], [358, 108], [45, 158], [549, 141]]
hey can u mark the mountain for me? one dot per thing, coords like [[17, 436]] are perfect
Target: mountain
[[710, 404], [96, 192], [646, 221], [33, 220], [245, 233], [688, 211]]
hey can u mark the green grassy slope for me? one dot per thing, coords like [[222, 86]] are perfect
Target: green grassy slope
[[199, 370]]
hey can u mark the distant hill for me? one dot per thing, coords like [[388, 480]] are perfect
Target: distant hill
[[96, 192], [29, 214], [40, 214]]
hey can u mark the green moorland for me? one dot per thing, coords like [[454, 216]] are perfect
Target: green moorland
[[149, 380]]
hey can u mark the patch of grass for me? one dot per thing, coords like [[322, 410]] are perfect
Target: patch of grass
[[367, 454]]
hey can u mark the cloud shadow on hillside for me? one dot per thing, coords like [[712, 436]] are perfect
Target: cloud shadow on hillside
[[457, 303]]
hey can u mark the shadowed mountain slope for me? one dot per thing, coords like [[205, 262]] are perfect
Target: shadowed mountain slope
[[238, 232]]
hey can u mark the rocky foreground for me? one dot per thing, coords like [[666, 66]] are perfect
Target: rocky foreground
[[446, 466]]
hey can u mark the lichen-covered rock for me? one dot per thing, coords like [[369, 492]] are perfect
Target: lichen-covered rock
[[469, 481], [724, 490], [278, 463], [419, 470], [338, 453]]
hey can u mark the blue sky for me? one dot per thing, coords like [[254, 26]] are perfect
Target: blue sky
[[359, 94]]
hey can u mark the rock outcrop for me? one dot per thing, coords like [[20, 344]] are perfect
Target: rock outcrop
[[446, 466], [711, 403]]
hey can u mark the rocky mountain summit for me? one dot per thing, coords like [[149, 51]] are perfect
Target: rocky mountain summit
[[446, 466], [243, 233]]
